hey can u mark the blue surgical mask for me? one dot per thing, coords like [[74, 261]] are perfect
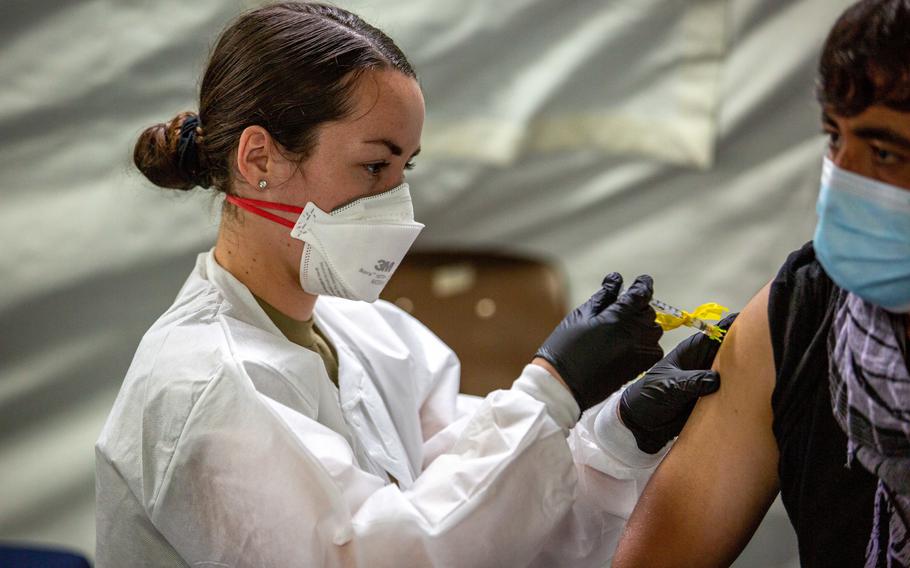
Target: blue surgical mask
[[862, 239]]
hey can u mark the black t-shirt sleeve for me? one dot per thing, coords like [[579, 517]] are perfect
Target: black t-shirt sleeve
[[799, 308], [829, 504]]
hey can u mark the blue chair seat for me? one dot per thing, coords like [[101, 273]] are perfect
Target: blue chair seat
[[19, 557]]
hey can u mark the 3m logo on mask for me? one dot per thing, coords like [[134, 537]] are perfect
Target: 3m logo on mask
[[384, 266]]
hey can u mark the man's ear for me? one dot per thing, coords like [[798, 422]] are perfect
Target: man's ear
[[253, 155]]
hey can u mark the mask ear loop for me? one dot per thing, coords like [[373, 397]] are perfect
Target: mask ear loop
[[258, 207]]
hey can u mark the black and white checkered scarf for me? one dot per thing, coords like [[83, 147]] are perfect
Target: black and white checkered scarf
[[870, 396]]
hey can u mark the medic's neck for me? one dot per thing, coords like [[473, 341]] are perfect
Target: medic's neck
[[267, 263]]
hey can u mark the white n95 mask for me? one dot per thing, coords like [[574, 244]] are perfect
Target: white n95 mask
[[352, 251]]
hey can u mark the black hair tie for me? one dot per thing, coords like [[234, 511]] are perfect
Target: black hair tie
[[187, 157]]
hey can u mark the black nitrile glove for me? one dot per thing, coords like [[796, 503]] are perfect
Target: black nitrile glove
[[655, 407], [606, 341]]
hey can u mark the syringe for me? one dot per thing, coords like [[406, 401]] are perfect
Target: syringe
[[685, 318]]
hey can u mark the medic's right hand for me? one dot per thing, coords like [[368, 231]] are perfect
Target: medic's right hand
[[606, 341]]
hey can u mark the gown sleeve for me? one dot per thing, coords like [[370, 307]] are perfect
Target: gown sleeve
[[254, 483], [251, 482]]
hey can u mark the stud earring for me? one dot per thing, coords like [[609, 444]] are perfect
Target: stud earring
[[263, 184]]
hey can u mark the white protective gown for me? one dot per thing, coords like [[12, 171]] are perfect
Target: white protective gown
[[228, 445]]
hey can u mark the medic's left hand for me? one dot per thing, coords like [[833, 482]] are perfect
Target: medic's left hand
[[656, 406]]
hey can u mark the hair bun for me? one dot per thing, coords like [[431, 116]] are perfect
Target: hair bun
[[168, 155]]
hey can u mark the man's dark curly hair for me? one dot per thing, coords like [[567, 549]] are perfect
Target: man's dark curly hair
[[866, 59]]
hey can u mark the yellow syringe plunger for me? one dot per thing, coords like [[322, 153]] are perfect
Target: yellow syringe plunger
[[669, 318]]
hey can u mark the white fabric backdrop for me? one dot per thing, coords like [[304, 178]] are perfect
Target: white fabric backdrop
[[673, 137]]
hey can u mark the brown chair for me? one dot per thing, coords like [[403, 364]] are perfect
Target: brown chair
[[493, 310]]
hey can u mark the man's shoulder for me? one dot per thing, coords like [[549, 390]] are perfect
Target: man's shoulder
[[799, 317], [799, 299], [802, 269]]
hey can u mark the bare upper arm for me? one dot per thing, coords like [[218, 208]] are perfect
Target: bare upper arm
[[707, 497]]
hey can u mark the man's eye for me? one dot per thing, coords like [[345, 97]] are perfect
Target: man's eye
[[884, 156], [410, 165], [833, 140]]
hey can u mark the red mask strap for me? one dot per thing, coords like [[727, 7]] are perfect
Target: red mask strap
[[258, 207]]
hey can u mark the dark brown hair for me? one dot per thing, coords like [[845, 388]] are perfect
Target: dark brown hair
[[287, 67], [866, 59]]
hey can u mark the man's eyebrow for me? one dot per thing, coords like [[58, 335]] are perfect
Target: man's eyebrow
[[394, 148], [883, 135], [828, 121]]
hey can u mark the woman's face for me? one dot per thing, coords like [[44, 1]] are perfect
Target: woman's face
[[363, 154], [873, 144]]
